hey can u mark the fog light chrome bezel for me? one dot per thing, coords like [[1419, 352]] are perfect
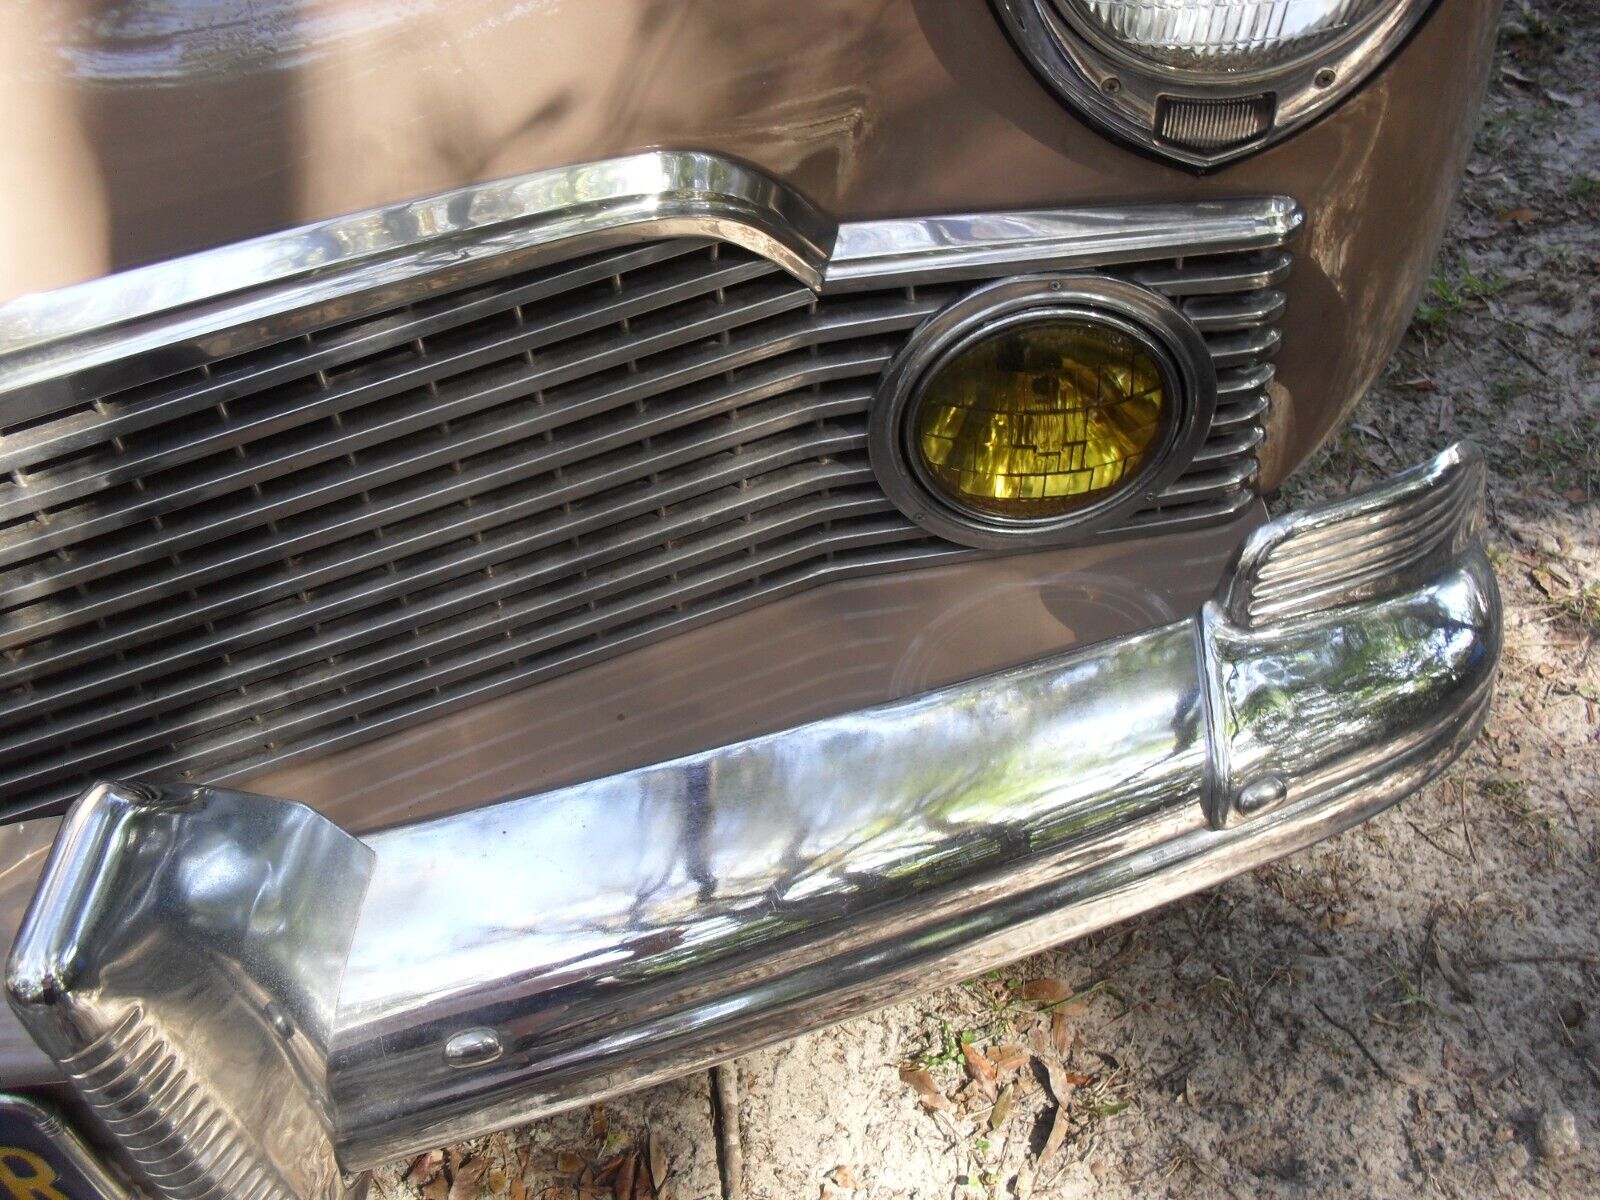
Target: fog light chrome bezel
[[1154, 322], [1127, 94]]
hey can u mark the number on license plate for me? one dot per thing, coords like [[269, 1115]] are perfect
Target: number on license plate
[[41, 1159]]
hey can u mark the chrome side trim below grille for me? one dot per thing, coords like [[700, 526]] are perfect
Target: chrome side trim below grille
[[344, 1001]]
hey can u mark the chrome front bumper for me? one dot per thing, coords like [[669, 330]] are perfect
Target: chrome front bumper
[[251, 998]]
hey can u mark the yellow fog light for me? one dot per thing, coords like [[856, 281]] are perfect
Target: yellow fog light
[[1042, 409], [1040, 419]]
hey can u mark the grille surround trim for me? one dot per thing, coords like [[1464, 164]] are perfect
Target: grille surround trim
[[222, 301]]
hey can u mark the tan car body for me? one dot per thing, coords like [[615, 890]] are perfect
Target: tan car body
[[140, 131]]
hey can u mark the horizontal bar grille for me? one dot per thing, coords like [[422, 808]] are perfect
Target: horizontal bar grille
[[317, 540]]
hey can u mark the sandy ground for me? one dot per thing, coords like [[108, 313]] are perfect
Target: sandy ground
[[1411, 1009]]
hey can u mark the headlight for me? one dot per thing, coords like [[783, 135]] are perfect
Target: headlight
[[1219, 35], [1040, 409], [1204, 81]]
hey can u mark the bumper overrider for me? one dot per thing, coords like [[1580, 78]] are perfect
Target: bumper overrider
[[252, 999]]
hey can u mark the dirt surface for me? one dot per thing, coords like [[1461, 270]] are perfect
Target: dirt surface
[[1410, 1009]]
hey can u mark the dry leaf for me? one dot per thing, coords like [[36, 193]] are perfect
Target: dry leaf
[[623, 1186], [468, 1179], [658, 1160], [519, 1190], [608, 1170], [438, 1188], [1057, 1138], [424, 1167], [927, 1090], [1577, 495], [1001, 1109], [1420, 384], [1039, 1038], [842, 1176], [972, 1094], [1061, 1087], [569, 1162], [978, 1066], [1517, 214], [1061, 1033], [1009, 1059], [1048, 991], [599, 1125]]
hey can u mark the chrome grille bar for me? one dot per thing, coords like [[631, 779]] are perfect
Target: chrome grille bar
[[1235, 273]]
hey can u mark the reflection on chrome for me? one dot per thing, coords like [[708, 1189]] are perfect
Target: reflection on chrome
[[446, 978]]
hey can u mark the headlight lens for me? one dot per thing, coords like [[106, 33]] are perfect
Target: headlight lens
[[1220, 35], [1040, 419]]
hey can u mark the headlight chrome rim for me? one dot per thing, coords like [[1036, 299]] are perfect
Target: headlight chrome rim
[[1155, 323], [1126, 93]]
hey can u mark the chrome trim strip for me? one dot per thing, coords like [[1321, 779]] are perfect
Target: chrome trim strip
[[217, 302], [918, 250], [659, 194], [742, 895]]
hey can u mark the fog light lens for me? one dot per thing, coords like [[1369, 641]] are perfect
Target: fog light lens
[[1040, 419], [1221, 35]]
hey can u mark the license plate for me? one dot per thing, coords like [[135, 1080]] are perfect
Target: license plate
[[42, 1159]]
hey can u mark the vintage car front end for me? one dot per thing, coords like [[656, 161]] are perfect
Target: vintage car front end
[[814, 465]]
